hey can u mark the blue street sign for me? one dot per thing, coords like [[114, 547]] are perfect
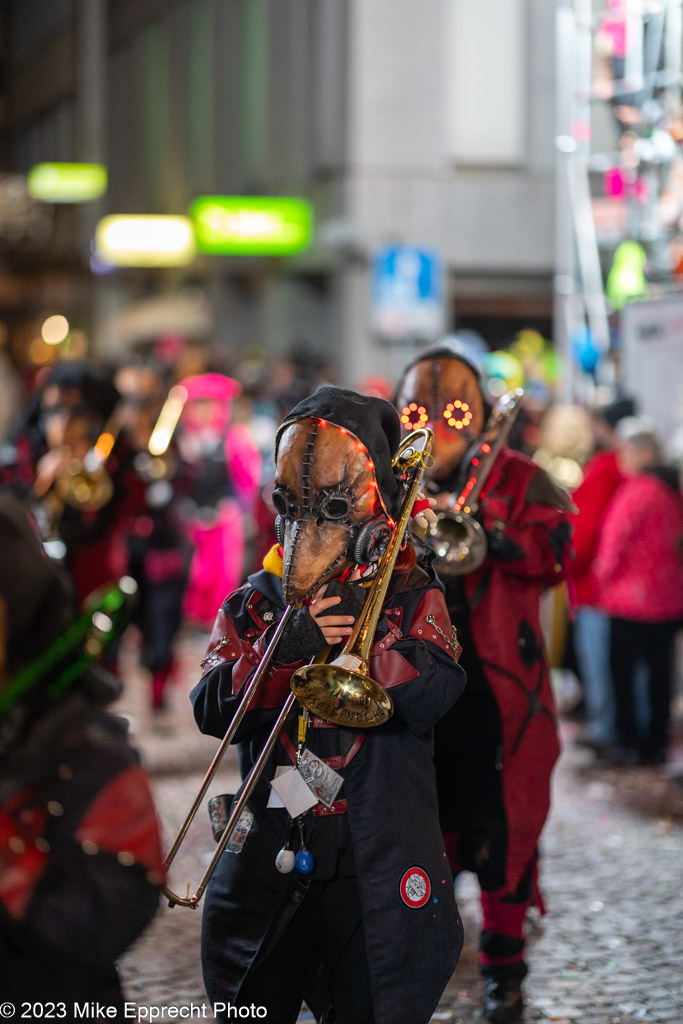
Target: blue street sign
[[407, 293]]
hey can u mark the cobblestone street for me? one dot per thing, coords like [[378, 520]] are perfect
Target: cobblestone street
[[609, 950]]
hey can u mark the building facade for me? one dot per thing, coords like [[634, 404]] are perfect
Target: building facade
[[427, 125]]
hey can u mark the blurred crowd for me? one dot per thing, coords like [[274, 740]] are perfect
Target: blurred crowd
[[160, 466], [157, 467], [628, 587], [154, 476]]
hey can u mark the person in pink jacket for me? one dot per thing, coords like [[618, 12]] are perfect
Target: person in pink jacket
[[222, 467], [640, 586]]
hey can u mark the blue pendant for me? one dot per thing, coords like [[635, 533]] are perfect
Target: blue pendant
[[304, 862]]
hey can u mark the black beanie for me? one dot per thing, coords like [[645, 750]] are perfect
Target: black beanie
[[95, 383], [372, 420], [441, 351]]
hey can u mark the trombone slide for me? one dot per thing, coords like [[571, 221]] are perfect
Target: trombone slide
[[192, 901]]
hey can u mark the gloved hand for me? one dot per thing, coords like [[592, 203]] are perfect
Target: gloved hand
[[304, 638]]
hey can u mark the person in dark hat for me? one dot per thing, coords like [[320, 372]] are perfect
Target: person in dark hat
[[80, 409], [495, 750], [76, 474], [80, 857], [365, 928]]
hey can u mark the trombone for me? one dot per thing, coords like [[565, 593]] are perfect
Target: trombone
[[458, 539], [341, 692], [84, 484]]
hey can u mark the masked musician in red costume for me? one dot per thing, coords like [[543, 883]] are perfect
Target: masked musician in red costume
[[496, 748]]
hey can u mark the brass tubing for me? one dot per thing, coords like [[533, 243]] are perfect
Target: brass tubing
[[213, 767], [360, 641], [503, 417]]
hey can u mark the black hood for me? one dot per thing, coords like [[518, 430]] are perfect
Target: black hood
[[372, 420]]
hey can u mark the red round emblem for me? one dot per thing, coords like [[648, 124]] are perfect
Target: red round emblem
[[415, 887]]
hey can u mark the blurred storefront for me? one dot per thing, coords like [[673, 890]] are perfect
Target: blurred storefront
[[421, 127]]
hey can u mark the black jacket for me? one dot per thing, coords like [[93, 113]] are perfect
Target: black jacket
[[391, 829]]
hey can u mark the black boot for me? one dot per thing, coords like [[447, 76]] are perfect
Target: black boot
[[502, 999]]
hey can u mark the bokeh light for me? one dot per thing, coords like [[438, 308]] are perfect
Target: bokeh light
[[55, 329]]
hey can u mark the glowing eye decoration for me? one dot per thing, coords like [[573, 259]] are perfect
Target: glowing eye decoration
[[414, 416], [457, 414]]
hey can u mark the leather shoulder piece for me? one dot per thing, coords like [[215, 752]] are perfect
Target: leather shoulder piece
[[432, 622], [225, 644], [543, 490]]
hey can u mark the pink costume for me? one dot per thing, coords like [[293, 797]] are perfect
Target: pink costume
[[223, 469]]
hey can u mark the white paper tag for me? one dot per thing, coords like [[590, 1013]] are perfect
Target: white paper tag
[[274, 800], [294, 793]]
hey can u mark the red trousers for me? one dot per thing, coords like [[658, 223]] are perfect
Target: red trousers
[[502, 939]]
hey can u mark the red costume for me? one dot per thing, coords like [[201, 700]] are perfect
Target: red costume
[[501, 601], [638, 573], [495, 749]]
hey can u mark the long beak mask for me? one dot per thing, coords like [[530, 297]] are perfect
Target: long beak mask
[[442, 393], [325, 489]]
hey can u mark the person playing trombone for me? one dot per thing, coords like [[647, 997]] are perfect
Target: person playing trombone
[[68, 465], [343, 896], [495, 752]]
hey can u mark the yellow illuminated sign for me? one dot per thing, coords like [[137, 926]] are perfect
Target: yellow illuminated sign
[[145, 241], [251, 225], [67, 183]]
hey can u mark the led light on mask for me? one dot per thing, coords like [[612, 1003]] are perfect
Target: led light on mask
[[414, 416], [458, 414]]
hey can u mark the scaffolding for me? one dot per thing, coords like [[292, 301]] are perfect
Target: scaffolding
[[619, 168]]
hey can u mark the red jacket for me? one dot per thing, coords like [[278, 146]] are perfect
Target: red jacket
[[601, 479], [638, 564]]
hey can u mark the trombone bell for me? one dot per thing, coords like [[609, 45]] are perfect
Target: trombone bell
[[341, 693], [459, 543]]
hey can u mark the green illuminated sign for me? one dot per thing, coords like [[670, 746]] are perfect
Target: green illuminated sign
[[251, 225], [67, 183]]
